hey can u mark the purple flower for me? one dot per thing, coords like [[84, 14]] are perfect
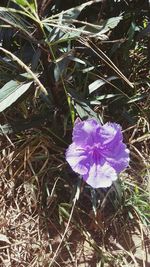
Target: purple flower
[[97, 152]]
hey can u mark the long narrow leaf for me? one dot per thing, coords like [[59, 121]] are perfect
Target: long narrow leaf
[[10, 92], [28, 70], [12, 18]]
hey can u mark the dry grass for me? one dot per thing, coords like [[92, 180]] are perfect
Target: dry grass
[[35, 205]]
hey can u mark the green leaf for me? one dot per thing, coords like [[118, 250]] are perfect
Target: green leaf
[[78, 60], [74, 12], [73, 34], [107, 96], [100, 82], [11, 17], [84, 111], [82, 108], [98, 99], [10, 92], [110, 24], [27, 3], [136, 98], [22, 2], [104, 27]]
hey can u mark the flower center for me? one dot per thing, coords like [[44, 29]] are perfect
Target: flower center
[[94, 153]]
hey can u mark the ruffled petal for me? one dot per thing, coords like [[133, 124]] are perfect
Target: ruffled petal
[[77, 159], [110, 132], [84, 132], [100, 176], [117, 156]]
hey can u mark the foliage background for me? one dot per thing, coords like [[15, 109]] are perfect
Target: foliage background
[[60, 60]]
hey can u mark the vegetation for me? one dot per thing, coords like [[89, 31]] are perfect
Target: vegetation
[[60, 60]]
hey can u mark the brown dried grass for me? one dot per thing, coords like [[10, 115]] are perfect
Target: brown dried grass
[[35, 202]]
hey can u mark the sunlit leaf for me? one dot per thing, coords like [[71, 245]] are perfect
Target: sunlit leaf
[[103, 97], [110, 24], [100, 82], [136, 98], [22, 2], [107, 96], [11, 91]]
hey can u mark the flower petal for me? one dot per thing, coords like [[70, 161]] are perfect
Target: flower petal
[[110, 132], [117, 157], [77, 159], [84, 132], [100, 176]]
